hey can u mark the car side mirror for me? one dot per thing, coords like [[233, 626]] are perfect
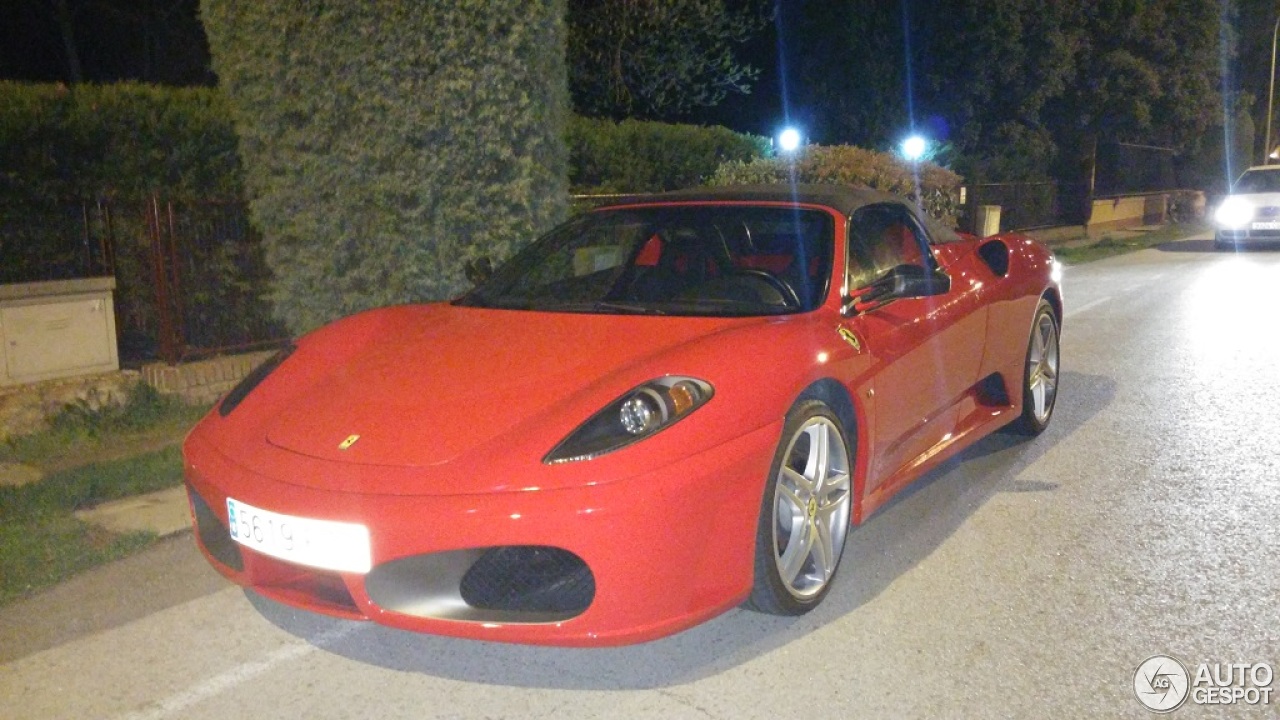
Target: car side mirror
[[903, 281], [478, 270]]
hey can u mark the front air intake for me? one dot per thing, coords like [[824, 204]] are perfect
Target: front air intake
[[529, 578]]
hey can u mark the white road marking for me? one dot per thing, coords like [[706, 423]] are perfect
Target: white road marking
[[1088, 305], [239, 674]]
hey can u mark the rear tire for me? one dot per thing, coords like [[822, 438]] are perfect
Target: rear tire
[[805, 513], [1040, 373]]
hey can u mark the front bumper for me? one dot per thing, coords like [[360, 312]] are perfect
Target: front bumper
[[1246, 236], [665, 550]]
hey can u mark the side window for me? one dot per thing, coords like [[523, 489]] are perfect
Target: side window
[[882, 237]]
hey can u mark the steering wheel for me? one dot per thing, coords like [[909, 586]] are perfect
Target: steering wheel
[[788, 293]]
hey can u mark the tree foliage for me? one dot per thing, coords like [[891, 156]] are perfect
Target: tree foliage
[[1033, 87], [658, 60], [1247, 38], [1022, 88], [845, 60], [386, 144], [992, 80], [1146, 72]]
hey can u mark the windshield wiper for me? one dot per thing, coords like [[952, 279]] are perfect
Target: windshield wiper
[[601, 306]]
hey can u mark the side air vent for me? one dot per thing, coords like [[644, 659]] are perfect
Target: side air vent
[[214, 534], [996, 255]]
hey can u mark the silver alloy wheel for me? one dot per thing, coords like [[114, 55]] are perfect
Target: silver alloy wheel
[[1042, 367], [811, 508]]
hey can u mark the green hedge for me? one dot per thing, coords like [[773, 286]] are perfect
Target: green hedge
[[114, 141], [635, 157], [62, 147], [848, 165], [127, 141]]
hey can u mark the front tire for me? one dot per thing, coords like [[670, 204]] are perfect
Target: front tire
[[805, 513], [1040, 374]]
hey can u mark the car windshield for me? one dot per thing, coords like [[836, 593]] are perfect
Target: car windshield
[[705, 260], [1258, 181]]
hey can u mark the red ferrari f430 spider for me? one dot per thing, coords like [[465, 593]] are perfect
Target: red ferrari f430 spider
[[664, 408]]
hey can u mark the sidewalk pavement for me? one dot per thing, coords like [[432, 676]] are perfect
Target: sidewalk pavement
[[1078, 236], [164, 512]]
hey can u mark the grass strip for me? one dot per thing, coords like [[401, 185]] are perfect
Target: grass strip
[[41, 541], [1111, 245], [81, 432]]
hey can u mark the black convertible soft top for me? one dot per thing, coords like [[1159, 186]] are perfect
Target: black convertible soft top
[[845, 199]]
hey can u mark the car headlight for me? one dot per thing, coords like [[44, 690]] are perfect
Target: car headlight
[[1234, 212], [643, 411], [251, 381]]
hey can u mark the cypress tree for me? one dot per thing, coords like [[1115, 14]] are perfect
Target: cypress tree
[[387, 143]]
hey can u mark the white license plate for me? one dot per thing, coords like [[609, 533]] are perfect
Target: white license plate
[[325, 544], [1266, 226]]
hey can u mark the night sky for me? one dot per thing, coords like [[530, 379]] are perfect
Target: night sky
[[157, 41], [162, 41], [799, 55]]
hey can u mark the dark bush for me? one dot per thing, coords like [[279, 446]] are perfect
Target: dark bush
[[939, 188], [633, 156]]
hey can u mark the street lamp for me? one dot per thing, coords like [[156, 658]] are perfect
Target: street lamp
[[1271, 93], [914, 147], [789, 140]]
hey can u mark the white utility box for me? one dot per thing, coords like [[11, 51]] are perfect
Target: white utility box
[[987, 221], [57, 329]]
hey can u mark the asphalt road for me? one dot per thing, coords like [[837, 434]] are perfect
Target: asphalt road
[[1026, 579]]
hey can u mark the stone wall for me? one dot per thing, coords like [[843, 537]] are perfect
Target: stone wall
[[1117, 213], [25, 409], [202, 381]]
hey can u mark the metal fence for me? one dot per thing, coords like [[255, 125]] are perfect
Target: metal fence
[[190, 276], [50, 242]]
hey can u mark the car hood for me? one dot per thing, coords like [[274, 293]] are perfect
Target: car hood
[[437, 382], [1269, 199]]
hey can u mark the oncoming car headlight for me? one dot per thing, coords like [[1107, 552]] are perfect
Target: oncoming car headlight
[[1234, 212], [638, 414]]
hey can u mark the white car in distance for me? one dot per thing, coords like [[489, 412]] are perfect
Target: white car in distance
[[1251, 212]]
